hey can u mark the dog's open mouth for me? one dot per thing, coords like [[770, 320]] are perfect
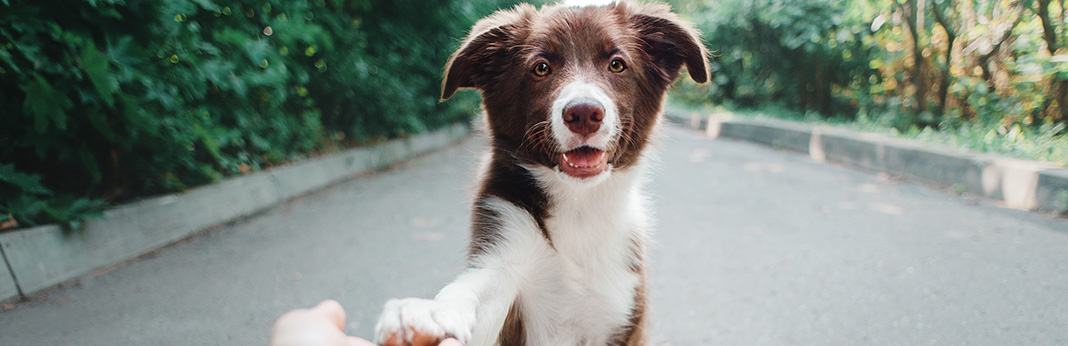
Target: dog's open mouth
[[583, 162]]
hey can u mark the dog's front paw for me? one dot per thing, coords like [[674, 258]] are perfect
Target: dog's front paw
[[419, 322]]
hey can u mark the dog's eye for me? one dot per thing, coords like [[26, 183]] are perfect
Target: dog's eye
[[542, 69], [617, 66]]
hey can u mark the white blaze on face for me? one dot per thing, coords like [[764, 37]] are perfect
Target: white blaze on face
[[602, 139]]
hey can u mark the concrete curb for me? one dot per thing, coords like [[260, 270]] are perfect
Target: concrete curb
[[44, 256], [1019, 184]]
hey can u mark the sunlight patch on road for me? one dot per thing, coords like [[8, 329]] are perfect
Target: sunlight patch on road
[[763, 167], [869, 188], [429, 236], [700, 155], [886, 208], [847, 206], [424, 222]]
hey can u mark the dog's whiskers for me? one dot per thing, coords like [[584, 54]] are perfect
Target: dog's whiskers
[[535, 133]]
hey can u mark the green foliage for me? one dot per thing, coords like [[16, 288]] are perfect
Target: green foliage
[[796, 53], [109, 100], [990, 75], [26, 200]]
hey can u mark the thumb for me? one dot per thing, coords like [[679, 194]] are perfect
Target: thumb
[[332, 310]]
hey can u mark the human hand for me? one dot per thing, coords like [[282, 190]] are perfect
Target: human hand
[[320, 326]]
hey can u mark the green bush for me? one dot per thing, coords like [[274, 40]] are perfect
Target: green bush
[[974, 70], [108, 100], [792, 53]]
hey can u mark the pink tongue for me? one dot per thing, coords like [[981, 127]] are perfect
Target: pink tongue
[[584, 158]]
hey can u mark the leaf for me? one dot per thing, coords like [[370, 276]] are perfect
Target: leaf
[[25, 209], [135, 115], [44, 103], [208, 140], [96, 65], [72, 211], [207, 5], [110, 13], [28, 183], [7, 61]]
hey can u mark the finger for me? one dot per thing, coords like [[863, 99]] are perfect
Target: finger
[[450, 342], [290, 318], [333, 311]]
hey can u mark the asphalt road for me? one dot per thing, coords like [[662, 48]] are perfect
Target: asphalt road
[[754, 247]]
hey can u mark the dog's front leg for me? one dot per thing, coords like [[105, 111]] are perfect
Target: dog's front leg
[[471, 309]]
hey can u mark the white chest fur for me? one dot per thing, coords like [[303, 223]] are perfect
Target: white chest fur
[[585, 292], [578, 290]]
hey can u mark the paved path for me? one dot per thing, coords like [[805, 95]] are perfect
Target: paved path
[[755, 247]]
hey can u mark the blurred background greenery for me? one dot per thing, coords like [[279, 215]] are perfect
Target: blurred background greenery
[[111, 100], [988, 75]]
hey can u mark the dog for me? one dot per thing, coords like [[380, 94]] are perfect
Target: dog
[[572, 97]]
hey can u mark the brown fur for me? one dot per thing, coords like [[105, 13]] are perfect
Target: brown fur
[[577, 43], [496, 60], [512, 333]]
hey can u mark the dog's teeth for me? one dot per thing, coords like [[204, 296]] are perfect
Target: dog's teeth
[[567, 159]]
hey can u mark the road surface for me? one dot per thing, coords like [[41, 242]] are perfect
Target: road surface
[[754, 247]]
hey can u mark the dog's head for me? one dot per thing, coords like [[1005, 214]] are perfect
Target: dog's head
[[576, 89]]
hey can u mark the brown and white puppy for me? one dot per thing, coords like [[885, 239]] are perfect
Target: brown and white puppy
[[572, 96]]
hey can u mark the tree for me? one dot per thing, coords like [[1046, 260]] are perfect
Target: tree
[[947, 15], [912, 11], [1055, 106]]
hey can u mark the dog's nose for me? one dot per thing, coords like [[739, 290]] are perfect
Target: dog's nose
[[583, 116]]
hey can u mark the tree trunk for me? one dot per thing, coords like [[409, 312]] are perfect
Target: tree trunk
[[1059, 112], [1048, 32], [997, 39], [909, 9], [951, 38], [823, 92], [1056, 104]]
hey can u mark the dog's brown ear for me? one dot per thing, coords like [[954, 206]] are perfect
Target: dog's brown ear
[[481, 55], [670, 42]]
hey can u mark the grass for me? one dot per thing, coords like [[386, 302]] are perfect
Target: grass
[[1046, 143]]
